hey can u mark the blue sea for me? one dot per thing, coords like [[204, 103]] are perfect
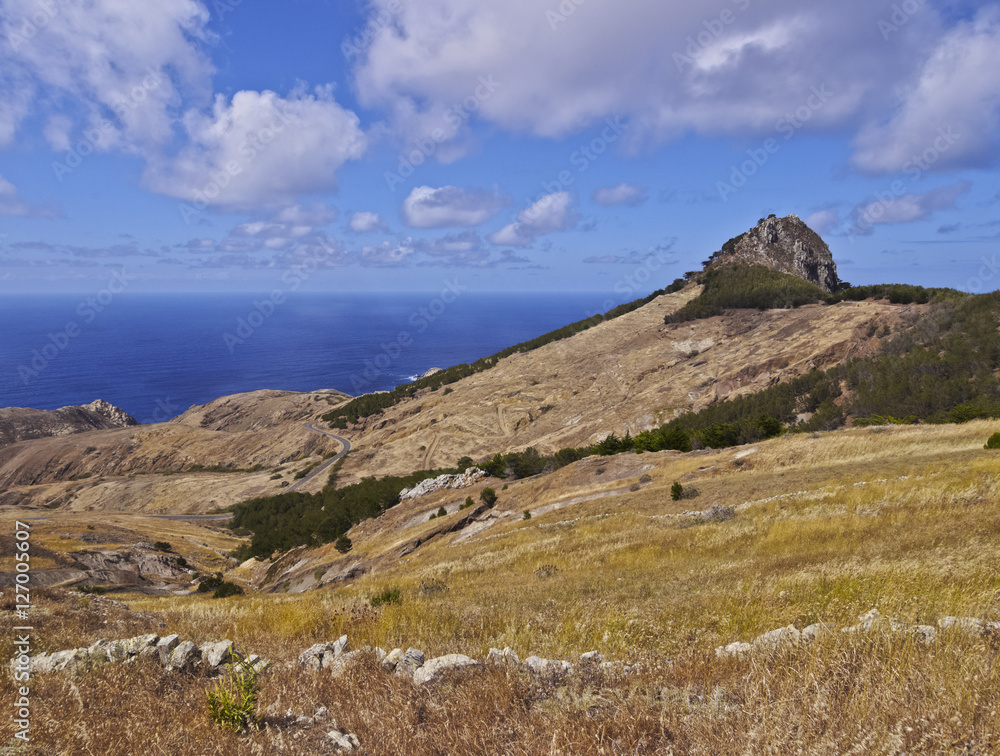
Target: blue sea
[[156, 355]]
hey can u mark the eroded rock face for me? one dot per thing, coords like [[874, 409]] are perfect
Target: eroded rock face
[[21, 424], [786, 245]]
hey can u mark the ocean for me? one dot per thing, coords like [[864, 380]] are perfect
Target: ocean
[[156, 355]]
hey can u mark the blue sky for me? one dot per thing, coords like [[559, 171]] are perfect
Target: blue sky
[[575, 145]]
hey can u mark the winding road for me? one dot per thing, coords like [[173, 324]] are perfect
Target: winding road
[[328, 463]]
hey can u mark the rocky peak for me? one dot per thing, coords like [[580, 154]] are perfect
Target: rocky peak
[[118, 417], [786, 245]]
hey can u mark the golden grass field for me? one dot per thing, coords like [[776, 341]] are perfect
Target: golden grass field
[[902, 519]]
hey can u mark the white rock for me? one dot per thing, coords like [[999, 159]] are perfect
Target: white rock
[[775, 640], [436, 667]]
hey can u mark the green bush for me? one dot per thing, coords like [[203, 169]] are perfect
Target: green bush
[[391, 595], [527, 514], [343, 544], [232, 703], [227, 589], [731, 287], [676, 491], [467, 503], [993, 442], [163, 546], [442, 512], [210, 583], [489, 497]]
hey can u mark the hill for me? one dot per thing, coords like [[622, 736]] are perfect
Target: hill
[[21, 424]]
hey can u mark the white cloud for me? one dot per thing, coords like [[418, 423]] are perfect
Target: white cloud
[[668, 68], [551, 213], [366, 222], [906, 208], [105, 59], [260, 150], [623, 194], [948, 119], [823, 221], [427, 207], [388, 254], [11, 203]]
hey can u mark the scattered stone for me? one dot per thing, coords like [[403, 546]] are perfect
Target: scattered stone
[[550, 668], [591, 657], [926, 634], [776, 640], [440, 665], [816, 631], [412, 661], [344, 742], [505, 658], [183, 657], [967, 625], [323, 655], [214, 654], [737, 649], [392, 659]]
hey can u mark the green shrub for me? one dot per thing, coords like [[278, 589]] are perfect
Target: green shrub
[[210, 583], [442, 512], [391, 595], [163, 546], [343, 544], [227, 589], [182, 562], [95, 590], [527, 514], [993, 442], [467, 503], [489, 497], [676, 491], [232, 703]]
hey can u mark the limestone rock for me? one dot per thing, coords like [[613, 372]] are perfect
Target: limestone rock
[[343, 742], [503, 658], [440, 665], [816, 631], [462, 480], [214, 654], [786, 245], [392, 659], [183, 657], [591, 657], [412, 661], [547, 667], [736, 649], [967, 625]]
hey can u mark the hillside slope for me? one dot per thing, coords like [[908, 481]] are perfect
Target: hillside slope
[[627, 374], [22, 424]]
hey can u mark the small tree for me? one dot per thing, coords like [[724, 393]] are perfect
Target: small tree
[[994, 442], [343, 544], [676, 491], [468, 503], [489, 497], [527, 514], [442, 512], [232, 704]]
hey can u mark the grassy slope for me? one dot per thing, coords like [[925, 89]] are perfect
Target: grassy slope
[[917, 541]]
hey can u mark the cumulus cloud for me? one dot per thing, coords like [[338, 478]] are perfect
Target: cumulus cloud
[[823, 221], [905, 208], [366, 222], [551, 213], [948, 117], [465, 248], [105, 60], [623, 194], [259, 149], [667, 68], [427, 207]]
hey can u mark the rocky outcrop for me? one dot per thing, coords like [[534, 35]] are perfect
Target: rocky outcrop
[[786, 245], [872, 621], [462, 480], [172, 653], [22, 424]]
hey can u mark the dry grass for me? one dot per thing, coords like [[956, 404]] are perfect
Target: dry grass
[[918, 541]]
